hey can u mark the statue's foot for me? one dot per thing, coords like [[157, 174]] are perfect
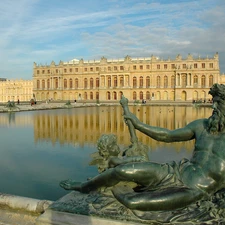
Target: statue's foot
[[70, 185]]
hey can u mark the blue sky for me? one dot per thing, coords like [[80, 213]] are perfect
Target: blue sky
[[42, 31]]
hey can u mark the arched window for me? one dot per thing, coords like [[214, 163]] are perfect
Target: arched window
[[134, 95], [43, 84], [141, 82], [141, 95], [85, 83], [148, 95], [165, 82], [56, 83], [108, 97], [71, 83], [115, 81], [76, 83], [65, 83], [184, 80], [203, 81], [38, 84], [195, 80], [147, 82], [97, 95], [172, 81], [91, 95], [134, 82], [85, 95], [97, 82], [109, 81], [121, 81], [210, 80], [48, 83], [158, 82], [114, 96], [91, 83]]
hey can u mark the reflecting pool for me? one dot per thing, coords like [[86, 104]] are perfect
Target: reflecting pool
[[41, 148]]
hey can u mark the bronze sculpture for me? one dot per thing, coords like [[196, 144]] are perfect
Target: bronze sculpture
[[170, 186]]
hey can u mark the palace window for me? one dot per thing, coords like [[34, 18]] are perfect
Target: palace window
[[97, 68], [85, 83], [76, 69], [121, 67], [134, 95], [91, 97], [109, 68], [38, 72], [147, 81], [91, 69], [71, 70], [48, 71], [56, 71], [141, 67], [148, 95], [195, 65], [203, 81], [141, 82], [203, 65], [134, 82], [210, 65], [141, 95], [85, 69], [91, 83], [43, 71], [158, 66], [115, 68], [109, 81], [48, 83], [65, 83], [65, 70], [165, 66], [184, 66], [210, 80], [38, 84], [147, 67], [121, 82], [71, 83], [158, 82], [165, 81], [76, 83], [115, 82], [56, 83], [173, 66], [97, 82], [134, 67]]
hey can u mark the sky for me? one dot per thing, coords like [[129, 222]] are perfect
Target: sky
[[43, 31]]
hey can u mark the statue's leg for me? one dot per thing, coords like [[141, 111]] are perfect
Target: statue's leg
[[166, 199], [145, 173]]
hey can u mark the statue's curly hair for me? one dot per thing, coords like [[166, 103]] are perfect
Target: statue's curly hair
[[218, 90]]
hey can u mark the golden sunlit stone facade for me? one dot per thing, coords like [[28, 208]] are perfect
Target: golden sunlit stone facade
[[12, 90], [137, 78]]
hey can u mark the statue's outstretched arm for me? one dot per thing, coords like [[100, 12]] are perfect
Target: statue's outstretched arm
[[158, 133]]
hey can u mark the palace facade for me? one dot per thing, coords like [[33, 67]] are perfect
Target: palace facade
[[14, 90], [137, 78]]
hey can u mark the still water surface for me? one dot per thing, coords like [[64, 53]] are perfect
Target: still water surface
[[41, 148]]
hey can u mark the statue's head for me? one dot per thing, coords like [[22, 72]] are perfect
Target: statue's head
[[107, 146], [217, 120]]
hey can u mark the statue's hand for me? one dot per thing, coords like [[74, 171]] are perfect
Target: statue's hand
[[132, 118], [124, 101]]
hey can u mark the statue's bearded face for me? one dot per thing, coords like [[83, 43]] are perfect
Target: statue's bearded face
[[217, 120]]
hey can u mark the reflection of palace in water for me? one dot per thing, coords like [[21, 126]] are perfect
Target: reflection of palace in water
[[85, 125]]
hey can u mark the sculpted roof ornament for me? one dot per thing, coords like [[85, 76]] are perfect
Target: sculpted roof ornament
[[34, 64], [179, 57], [190, 57], [103, 60], [127, 58], [61, 63], [81, 61]]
